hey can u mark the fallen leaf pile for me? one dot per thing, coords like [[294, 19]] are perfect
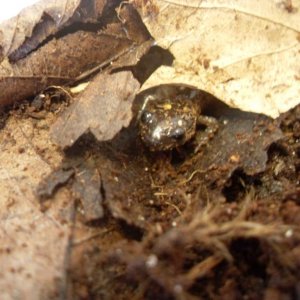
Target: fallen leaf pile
[[87, 211], [54, 52]]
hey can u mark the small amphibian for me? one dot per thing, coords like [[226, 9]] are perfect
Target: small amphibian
[[165, 124]]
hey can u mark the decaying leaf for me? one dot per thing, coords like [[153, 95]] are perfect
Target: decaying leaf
[[246, 53], [103, 109], [70, 54], [25, 32], [86, 187], [83, 178], [56, 179]]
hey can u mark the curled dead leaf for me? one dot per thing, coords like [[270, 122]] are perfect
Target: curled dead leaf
[[25, 32], [246, 53]]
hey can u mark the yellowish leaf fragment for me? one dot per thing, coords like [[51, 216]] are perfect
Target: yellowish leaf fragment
[[246, 53]]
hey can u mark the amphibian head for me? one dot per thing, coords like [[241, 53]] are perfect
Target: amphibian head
[[166, 124]]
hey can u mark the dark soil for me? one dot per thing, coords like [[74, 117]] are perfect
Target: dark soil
[[175, 227]]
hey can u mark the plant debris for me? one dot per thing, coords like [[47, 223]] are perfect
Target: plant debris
[[229, 49], [61, 56], [110, 219], [136, 181], [103, 109]]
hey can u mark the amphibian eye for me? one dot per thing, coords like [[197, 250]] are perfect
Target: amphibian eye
[[178, 134], [146, 117]]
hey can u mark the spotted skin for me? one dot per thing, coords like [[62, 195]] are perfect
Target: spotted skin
[[166, 124]]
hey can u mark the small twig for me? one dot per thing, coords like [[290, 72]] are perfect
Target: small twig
[[175, 207], [191, 176], [202, 269]]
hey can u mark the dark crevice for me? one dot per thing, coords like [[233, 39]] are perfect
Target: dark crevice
[[131, 232], [238, 185], [249, 257]]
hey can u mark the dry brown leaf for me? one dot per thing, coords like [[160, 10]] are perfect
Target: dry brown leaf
[[43, 18], [103, 109], [71, 53], [246, 53], [23, 33], [59, 62], [87, 188], [33, 243]]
